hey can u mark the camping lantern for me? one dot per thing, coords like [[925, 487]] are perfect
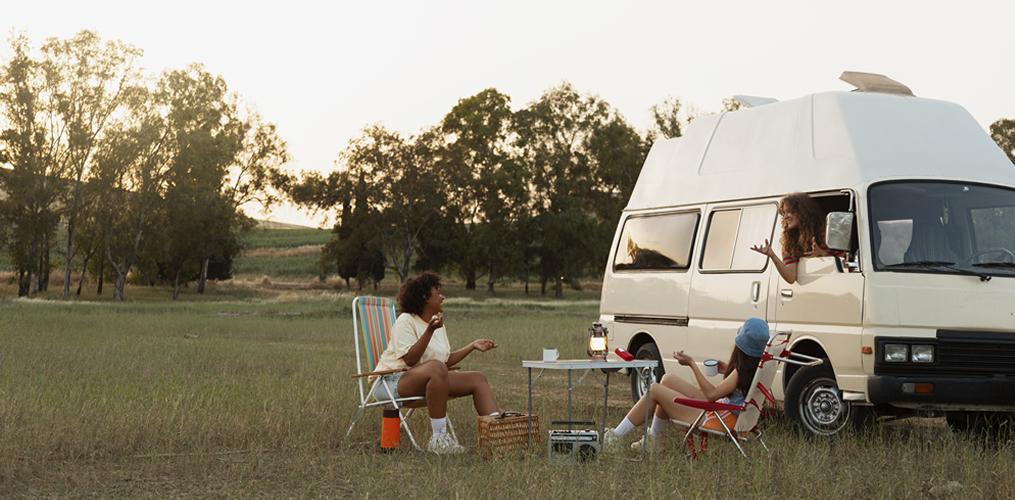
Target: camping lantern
[[598, 345]]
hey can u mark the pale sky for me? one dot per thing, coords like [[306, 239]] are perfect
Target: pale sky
[[324, 70]]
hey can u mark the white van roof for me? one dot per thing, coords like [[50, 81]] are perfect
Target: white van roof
[[823, 141]]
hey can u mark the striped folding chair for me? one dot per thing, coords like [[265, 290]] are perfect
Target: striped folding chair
[[714, 417], [372, 319]]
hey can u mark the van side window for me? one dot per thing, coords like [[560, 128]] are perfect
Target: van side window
[[730, 236], [656, 242]]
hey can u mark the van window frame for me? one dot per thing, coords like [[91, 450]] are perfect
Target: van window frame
[[774, 204], [690, 251]]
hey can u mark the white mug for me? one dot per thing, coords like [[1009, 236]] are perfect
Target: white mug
[[550, 354], [711, 367]]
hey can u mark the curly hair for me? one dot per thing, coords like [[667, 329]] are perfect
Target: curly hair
[[415, 292], [797, 241]]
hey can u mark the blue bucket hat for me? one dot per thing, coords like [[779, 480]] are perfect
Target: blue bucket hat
[[752, 337]]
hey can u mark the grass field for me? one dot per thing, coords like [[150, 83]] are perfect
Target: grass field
[[247, 394]]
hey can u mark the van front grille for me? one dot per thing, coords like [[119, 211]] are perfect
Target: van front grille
[[957, 353]]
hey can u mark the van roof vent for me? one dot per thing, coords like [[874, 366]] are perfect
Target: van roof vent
[[871, 82], [750, 101]]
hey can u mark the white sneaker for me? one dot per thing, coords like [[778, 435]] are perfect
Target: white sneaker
[[445, 444], [653, 444], [612, 442]]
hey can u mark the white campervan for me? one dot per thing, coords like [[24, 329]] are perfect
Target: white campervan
[[920, 315]]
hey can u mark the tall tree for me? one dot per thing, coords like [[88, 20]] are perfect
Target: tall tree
[[553, 135], [666, 122], [487, 188], [1003, 133], [86, 82], [32, 186]]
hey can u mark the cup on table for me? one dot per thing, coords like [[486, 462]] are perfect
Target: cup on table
[[711, 367], [550, 354]]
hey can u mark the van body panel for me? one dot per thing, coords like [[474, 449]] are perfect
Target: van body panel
[[933, 301]]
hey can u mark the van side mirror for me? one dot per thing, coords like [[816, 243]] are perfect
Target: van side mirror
[[839, 230]]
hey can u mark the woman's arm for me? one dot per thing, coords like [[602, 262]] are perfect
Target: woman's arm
[[711, 392], [416, 351], [787, 271], [481, 345]]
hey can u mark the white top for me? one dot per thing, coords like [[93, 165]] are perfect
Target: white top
[[408, 328]]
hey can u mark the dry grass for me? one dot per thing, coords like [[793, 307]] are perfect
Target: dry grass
[[250, 397]]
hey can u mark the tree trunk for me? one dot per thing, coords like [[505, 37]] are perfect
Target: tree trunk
[[489, 278], [560, 289], [204, 277], [102, 276], [84, 271], [176, 285], [24, 283], [121, 280], [70, 257]]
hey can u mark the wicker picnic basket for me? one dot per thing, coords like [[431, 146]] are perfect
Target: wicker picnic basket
[[505, 432]]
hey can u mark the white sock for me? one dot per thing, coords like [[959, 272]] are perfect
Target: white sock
[[658, 424], [439, 426], [624, 427]]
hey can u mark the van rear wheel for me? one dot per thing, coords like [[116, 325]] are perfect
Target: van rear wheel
[[814, 403], [641, 378]]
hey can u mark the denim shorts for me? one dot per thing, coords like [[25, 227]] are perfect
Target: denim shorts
[[389, 380]]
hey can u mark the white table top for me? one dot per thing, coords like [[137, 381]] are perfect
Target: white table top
[[587, 364]]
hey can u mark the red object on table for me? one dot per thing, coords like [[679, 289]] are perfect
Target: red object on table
[[626, 356]]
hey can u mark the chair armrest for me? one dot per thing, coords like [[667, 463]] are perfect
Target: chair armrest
[[705, 405], [385, 372]]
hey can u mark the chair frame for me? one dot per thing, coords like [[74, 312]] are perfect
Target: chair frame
[[376, 335], [754, 401]]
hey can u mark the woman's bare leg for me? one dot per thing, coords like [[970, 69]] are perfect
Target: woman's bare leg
[[428, 379], [475, 384], [662, 403]]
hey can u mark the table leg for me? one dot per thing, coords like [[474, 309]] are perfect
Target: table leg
[[530, 408], [606, 399], [648, 403], [569, 398]]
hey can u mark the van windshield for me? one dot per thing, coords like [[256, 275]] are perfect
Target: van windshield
[[943, 227]]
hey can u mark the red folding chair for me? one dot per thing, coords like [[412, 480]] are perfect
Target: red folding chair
[[711, 419]]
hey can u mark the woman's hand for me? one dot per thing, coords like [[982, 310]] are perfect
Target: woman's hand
[[682, 358], [436, 322], [483, 345], [765, 249], [722, 366], [815, 251]]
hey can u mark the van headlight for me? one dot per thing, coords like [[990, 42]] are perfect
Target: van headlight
[[896, 353], [923, 354]]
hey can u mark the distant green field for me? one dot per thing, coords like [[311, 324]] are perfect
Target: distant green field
[[285, 238]]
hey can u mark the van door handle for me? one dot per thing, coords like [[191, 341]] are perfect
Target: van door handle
[[755, 291], [787, 293]]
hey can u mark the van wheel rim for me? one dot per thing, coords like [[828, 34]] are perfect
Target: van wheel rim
[[645, 378], [823, 412]]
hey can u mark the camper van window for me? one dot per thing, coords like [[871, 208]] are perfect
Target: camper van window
[[943, 227], [656, 242], [730, 235]]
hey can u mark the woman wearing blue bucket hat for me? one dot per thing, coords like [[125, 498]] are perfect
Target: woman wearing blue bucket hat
[[749, 345]]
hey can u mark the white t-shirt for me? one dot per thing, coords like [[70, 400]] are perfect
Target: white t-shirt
[[408, 328]]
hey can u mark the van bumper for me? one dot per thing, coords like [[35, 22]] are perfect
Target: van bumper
[[947, 390]]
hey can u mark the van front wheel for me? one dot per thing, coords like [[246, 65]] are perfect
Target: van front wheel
[[641, 378], [814, 402]]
